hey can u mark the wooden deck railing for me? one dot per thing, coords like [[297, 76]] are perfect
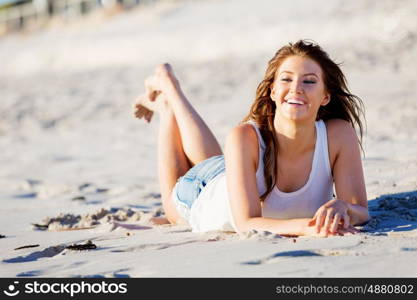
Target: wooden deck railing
[[40, 11]]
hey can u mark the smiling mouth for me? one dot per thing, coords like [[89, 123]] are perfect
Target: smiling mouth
[[295, 102]]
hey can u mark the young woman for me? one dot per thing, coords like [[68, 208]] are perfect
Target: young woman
[[280, 163]]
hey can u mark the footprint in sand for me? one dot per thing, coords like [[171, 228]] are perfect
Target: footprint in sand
[[90, 188], [121, 273], [282, 256], [412, 249], [156, 246], [152, 196], [286, 255], [29, 273], [26, 195]]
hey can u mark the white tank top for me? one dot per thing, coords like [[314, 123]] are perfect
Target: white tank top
[[211, 210]]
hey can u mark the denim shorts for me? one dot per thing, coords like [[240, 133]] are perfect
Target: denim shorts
[[189, 186]]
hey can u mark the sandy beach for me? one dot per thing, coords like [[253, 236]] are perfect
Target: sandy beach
[[77, 164]]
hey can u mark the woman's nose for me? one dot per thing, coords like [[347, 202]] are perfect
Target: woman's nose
[[296, 87]]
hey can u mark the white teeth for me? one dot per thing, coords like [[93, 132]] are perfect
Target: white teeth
[[293, 101]]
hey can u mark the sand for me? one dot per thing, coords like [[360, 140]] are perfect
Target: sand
[[76, 161]]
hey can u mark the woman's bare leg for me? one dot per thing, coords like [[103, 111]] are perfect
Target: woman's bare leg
[[172, 162], [198, 142], [184, 140]]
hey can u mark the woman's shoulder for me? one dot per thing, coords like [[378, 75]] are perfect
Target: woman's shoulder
[[244, 132], [245, 137], [341, 136], [340, 130]]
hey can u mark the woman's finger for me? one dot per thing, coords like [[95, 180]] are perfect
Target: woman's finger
[[346, 220], [329, 220], [312, 222], [336, 221], [320, 219], [314, 218]]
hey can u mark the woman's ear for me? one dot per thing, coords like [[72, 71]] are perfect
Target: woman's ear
[[326, 100], [273, 93]]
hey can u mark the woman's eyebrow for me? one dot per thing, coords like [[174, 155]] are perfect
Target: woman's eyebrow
[[307, 74]]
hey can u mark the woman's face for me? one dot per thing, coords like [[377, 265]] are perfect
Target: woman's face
[[298, 89]]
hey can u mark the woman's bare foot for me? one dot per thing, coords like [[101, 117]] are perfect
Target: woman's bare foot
[[165, 74], [141, 109], [163, 81], [145, 107], [158, 89]]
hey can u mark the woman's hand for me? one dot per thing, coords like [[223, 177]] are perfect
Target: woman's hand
[[330, 216], [310, 230]]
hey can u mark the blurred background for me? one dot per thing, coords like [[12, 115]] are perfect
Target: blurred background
[[30, 14], [70, 70]]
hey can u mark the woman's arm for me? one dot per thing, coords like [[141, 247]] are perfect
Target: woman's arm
[[241, 160], [290, 227], [351, 204], [241, 157]]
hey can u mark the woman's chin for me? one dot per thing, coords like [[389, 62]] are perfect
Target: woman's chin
[[294, 116]]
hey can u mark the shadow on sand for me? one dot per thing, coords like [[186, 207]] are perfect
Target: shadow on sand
[[392, 213]]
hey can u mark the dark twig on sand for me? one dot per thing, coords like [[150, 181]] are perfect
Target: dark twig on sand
[[27, 246], [40, 226], [87, 246]]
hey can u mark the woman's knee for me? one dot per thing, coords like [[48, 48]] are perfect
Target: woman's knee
[[170, 210]]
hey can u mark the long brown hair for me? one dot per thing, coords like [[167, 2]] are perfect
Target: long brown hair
[[342, 105]]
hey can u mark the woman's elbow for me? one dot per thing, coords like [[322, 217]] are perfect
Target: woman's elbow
[[362, 220], [242, 224]]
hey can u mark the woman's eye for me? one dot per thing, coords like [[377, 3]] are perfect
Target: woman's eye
[[305, 81]]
